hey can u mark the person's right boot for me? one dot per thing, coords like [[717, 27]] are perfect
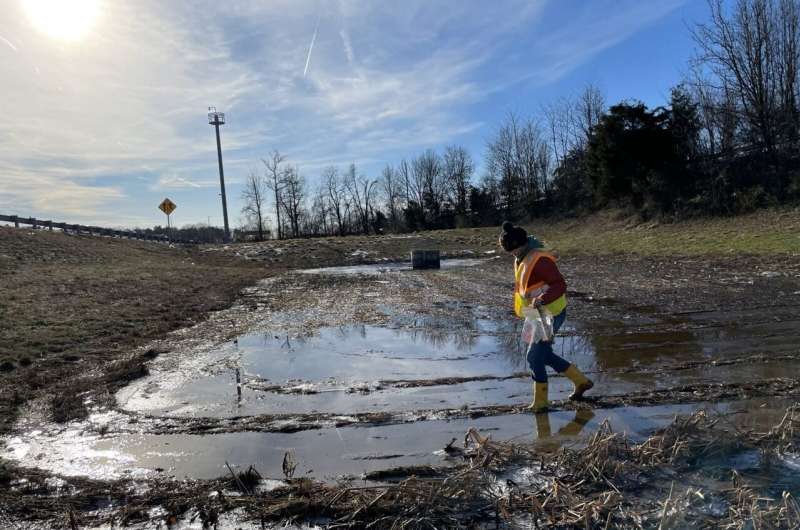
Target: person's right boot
[[540, 402], [580, 382]]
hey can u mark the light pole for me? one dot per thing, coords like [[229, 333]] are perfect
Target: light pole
[[216, 119]]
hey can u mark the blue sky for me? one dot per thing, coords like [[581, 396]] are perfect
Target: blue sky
[[99, 127]]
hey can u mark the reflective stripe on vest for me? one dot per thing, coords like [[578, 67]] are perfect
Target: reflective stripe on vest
[[523, 293]]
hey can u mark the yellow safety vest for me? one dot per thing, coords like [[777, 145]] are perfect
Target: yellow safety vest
[[523, 293]]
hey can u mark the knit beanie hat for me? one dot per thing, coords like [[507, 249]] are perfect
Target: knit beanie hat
[[512, 236]]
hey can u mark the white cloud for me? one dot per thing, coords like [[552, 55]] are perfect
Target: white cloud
[[348, 47], [49, 196], [174, 181], [121, 114]]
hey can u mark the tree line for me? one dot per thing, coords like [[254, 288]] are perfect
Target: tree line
[[728, 141]]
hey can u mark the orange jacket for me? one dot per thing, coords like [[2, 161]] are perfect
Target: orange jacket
[[529, 286]]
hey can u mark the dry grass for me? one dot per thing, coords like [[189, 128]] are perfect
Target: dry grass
[[609, 483], [72, 306], [751, 509], [764, 232]]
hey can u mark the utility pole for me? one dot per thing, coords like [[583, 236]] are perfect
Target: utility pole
[[216, 119]]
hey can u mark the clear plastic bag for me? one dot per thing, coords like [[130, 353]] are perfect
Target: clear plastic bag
[[538, 325]]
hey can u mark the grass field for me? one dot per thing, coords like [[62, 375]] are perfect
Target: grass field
[[759, 233], [78, 314], [69, 304]]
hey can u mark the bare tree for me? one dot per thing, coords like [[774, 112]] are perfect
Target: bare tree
[[559, 118], [254, 197], [361, 191], [719, 120], [293, 196], [789, 66], [458, 169], [428, 175], [754, 52], [391, 186], [415, 189], [318, 220], [589, 108], [528, 143], [275, 183], [336, 197], [517, 159], [501, 162], [570, 121]]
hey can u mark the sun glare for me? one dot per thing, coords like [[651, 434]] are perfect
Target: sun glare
[[67, 20]]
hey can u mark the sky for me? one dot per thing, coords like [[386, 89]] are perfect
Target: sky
[[104, 102]]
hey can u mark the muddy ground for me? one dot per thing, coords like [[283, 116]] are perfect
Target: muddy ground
[[142, 372]]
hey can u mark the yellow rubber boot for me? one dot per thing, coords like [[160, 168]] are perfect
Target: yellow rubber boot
[[540, 402], [580, 381]]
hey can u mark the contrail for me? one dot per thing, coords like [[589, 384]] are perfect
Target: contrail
[[8, 42], [311, 48]]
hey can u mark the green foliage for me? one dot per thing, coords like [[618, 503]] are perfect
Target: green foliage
[[793, 188], [572, 188], [751, 199], [484, 212], [414, 216], [633, 158]]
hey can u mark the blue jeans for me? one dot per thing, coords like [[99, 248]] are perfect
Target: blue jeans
[[541, 354]]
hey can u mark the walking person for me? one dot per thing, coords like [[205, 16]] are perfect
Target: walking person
[[538, 283]]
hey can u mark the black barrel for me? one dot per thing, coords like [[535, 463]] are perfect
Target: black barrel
[[425, 259]]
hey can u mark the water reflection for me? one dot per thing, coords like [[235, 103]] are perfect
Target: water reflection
[[510, 344], [440, 334], [422, 347], [390, 267], [544, 436], [238, 387], [425, 337], [569, 344], [438, 330]]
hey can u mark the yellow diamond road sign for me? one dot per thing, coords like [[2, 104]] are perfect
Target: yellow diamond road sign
[[167, 206]]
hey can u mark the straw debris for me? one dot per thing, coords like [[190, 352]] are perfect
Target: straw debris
[[608, 481]]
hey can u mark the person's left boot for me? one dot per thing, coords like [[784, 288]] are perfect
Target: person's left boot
[[580, 382]]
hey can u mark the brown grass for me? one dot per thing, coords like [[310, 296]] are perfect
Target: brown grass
[[72, 305]]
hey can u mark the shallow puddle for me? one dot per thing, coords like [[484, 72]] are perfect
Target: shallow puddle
[[434, 364], [329, 454], [393, 266], [418, 364], [346, 369], [325, 454]]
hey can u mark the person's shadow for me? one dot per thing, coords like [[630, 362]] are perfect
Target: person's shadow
[[544, 436]]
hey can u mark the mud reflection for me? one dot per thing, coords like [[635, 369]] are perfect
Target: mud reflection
[[639, 337]]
